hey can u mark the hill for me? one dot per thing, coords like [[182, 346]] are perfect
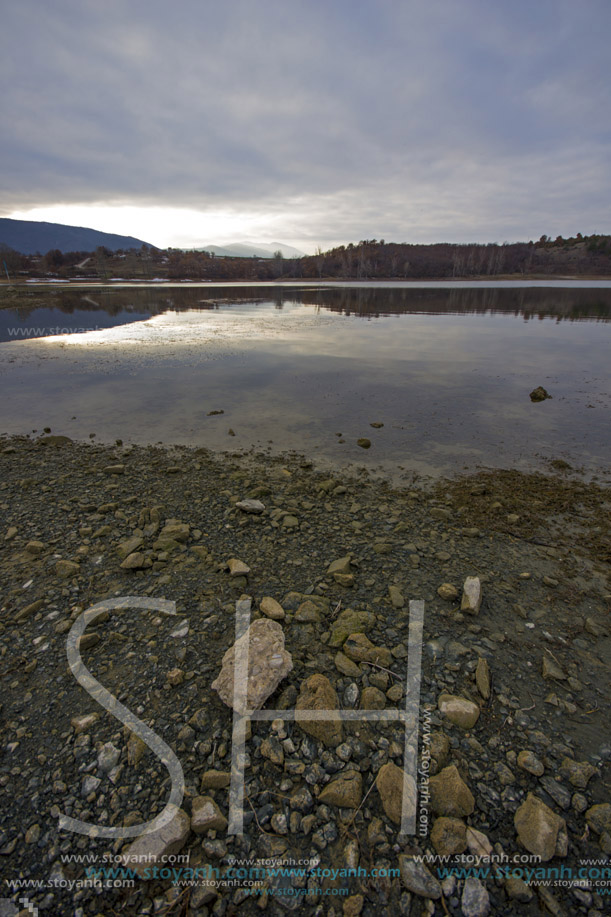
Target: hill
[[30, 236], [253, 250]]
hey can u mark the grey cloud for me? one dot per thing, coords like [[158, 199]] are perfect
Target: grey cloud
[[420, 120]]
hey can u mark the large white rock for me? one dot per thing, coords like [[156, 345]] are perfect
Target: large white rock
[[261, 662]]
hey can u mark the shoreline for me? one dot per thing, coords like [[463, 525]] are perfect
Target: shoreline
[[73, 515]]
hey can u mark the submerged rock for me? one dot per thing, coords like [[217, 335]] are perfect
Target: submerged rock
[[539, 394]]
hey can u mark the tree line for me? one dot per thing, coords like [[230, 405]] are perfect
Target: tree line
[[368, 259]]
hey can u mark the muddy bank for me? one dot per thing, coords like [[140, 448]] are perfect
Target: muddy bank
[[341, 557]]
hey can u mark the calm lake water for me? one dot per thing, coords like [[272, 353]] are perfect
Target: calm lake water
[[447, 369]]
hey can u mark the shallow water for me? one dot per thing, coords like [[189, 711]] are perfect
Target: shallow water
[[446, 369]]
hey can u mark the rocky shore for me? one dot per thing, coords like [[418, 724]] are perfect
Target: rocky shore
[[513, 571]]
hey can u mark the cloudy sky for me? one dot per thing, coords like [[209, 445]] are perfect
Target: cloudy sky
[[311, 122]]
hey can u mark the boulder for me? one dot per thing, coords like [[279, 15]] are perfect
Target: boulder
[[268, 664]]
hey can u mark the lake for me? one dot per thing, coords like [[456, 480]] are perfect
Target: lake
[[444, 369]]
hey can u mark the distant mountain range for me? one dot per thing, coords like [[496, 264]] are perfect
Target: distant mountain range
[[30, 236], [252, 250]]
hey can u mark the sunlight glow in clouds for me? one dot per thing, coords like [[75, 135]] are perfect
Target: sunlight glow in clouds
[[308, 123], [162, 226]]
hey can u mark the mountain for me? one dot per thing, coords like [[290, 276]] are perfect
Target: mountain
[[30, 236], [253, 249]]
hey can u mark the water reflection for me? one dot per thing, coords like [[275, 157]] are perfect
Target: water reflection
[[446, 371], [108, 307]]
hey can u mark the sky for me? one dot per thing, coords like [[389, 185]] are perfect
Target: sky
[[308, 122]]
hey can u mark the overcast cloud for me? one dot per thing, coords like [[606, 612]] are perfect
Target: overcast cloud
[[312, 121]]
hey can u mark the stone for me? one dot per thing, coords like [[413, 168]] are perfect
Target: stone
[[114, 469], [396, 789], [347, 623], [346, 666], [154, 848], [517, 889], [538, 827], [344, 579], [135, 562], [318, 694], [382, 547], [32, 835], [439, 747], [175, 677], [363, 442], [353, 905], [271, 608], [551, 669], [598, 818], [289, 521], [175, 531], [448, 592], [478, 843], [395, 596], [261, 651], [475, 901], [372, 699], [529, 762], [458, 710], [539, 394], [273, 750], [135, 749], [34, 547], [449, 836], [482, 678], [89, 785], [66, 568], [108, 757], [578, 773], [360, 649], [255, 507], [237, 567], [450, 795], [206, 815], [130, 546], [345, 791], [342, 565], [83, 723], [307, 613], [29, 610], [591, 626], [471, 595], [417, 878], [215, 780]]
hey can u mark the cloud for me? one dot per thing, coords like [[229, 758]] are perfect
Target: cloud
[[413, 120]]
